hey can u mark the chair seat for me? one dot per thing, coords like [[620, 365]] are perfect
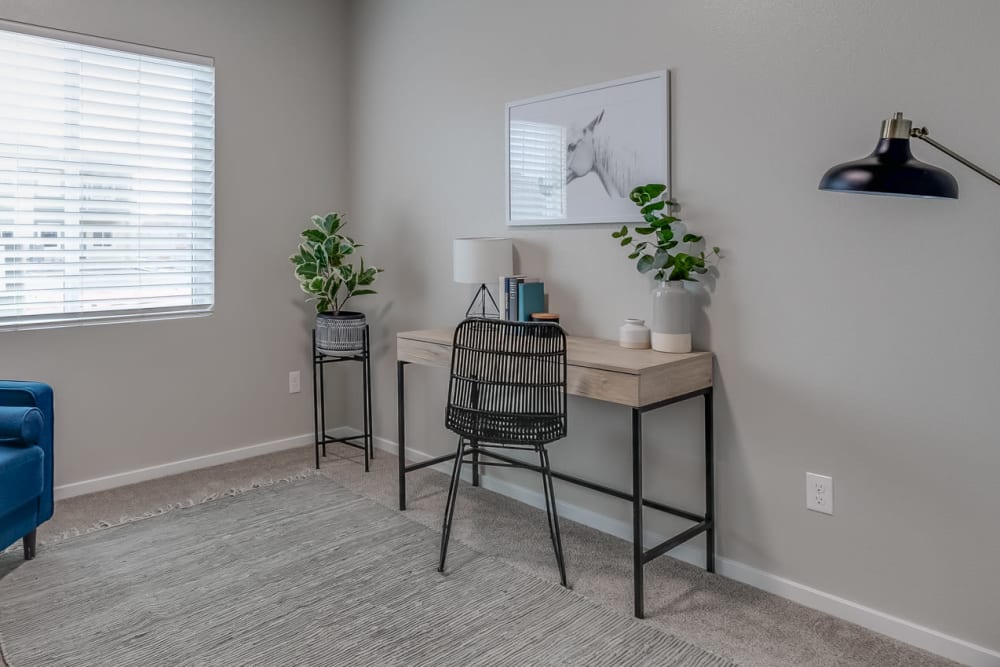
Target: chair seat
[[529, 429], [22, 475]]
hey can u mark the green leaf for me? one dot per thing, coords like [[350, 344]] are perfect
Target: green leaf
[[655, 190], [332, 222], [670, 244], [316, 285], [625, 241], [664, 234], [663, 260], [306, 253], [691, 238], [361, 292], [346, 249], [639, 195], [644, 264], [314, 235], [716, 250], [654, 206], [306, 270], [644, 230], [616, 235], [297, 259], [663, 221], [332, 246], [634, 255], [322, 258]]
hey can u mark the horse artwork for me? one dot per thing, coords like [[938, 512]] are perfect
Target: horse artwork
[[573, 157], [591, 151]]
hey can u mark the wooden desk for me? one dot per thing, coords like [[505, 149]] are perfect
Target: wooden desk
[[642, 380]]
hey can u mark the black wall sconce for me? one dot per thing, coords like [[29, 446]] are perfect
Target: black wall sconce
[[892, 170]]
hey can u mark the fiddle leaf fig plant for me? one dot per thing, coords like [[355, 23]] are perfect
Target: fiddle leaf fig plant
[[324, 268], [657, 253]]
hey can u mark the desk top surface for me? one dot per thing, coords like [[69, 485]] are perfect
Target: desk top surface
[[588, 353]]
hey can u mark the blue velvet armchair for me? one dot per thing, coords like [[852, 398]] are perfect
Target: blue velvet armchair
[[25, 462]]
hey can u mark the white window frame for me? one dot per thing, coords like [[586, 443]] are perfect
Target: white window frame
[[55, 319]]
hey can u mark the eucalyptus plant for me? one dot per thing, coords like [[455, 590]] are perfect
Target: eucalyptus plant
[[658, 254], [323, 265]]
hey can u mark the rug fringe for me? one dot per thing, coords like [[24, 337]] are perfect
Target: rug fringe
[[104, 524]]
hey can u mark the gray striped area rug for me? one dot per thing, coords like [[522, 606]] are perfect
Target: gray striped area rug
[[303, 573]]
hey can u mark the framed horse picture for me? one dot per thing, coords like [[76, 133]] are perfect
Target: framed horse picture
[[574, 156]]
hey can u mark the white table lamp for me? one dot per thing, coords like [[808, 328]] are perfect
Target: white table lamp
[[481, 261]]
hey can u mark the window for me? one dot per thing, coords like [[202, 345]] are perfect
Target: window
[[107, 180], [537, 171]]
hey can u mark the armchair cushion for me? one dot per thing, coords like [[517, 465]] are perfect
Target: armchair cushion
[[22, 471], [20, 426]]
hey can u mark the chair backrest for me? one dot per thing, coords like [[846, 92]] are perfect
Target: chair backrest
[[508, 382]]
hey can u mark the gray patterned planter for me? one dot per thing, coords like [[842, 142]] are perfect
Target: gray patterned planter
[[341, 334]]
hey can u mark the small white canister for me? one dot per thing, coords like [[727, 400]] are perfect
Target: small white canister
[[634, 334]]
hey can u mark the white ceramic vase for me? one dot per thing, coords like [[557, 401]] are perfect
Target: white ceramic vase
[[671, 317], [634, 334]]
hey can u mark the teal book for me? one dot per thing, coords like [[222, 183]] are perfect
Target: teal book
[[530, 299]]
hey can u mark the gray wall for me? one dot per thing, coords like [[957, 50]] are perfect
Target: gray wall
[[856, 336], [135, 395]]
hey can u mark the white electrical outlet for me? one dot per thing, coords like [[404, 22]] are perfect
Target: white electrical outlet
[[819, 493], [294, 382]]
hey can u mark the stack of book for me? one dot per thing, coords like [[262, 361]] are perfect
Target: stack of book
[[521, 296]]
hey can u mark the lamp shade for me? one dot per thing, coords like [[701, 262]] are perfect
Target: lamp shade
[[482, 259], [891, 169]]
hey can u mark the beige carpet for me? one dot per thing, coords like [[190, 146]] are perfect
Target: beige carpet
[[728, 618]]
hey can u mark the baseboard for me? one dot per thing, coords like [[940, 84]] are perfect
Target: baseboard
[[166, 469], [898, 628]]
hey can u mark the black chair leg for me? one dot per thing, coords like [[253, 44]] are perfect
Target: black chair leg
[[449, 508], [475, 463], [30, 541], [550, 510]]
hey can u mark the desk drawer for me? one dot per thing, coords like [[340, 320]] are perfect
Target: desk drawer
[[423, 353], [601, 385]]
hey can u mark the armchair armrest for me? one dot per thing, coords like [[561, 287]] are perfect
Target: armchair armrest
[[20, 426], [20, 394]]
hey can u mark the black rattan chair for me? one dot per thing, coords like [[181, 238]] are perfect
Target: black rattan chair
[[507, 390]]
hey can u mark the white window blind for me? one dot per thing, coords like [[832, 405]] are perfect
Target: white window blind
[[107, 173], [537, 168]]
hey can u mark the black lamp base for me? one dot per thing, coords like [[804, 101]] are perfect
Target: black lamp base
[[483, 304]]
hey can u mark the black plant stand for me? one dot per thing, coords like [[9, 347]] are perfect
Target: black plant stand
[[320, 361]]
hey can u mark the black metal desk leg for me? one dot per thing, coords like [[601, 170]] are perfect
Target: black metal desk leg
[[401, 432], [637, 580], [709, 485], [312, 354]]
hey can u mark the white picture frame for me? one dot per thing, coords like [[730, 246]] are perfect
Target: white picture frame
[[572, 157]]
